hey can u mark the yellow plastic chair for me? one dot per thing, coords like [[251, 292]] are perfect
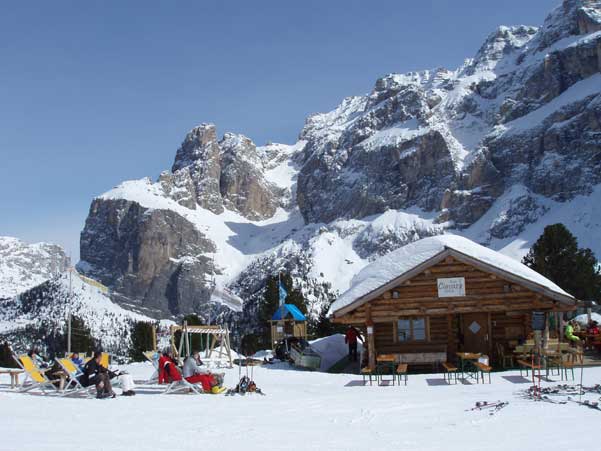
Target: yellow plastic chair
[[37, 378]]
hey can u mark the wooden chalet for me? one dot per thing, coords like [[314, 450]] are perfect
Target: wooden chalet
[[440, 295]]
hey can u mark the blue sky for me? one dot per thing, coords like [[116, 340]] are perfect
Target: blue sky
[[93, 93]]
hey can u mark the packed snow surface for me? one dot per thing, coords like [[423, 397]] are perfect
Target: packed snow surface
[[398, 262], [303, 411]]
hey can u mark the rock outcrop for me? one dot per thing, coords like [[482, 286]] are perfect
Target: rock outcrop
[[154, 260]]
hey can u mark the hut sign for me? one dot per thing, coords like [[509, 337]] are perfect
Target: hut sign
[[451, 287]]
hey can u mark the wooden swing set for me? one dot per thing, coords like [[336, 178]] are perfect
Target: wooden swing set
[[214, 339]]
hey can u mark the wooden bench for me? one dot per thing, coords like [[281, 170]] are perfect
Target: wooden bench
[[14, 376], [450, 371], [527, 366], [483, 369], [366, 372], [401, 372]]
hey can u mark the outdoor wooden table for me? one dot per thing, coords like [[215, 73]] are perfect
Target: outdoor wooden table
[[14, 376], [385, 361], [467, 356]]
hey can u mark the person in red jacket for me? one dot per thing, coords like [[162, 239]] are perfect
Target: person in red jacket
[[350, 338], [168, 371]]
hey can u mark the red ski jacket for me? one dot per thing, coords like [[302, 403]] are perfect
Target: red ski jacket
[[168, 371], [351, 336]]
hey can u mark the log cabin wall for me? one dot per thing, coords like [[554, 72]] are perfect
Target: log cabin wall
[[505, 304]]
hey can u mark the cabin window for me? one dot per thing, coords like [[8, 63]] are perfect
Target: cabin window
[[411, 329]]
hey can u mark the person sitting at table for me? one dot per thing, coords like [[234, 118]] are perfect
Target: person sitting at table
[[569, 333], [592, 333]]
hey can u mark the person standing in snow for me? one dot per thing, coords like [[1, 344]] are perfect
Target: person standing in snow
[[350, 338]]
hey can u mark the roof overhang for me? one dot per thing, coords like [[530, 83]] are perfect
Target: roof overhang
[[566, 299]]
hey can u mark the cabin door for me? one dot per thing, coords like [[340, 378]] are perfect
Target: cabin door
[[475, 332]]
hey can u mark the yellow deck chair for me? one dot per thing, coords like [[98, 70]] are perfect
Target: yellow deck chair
[[35, 376], [105, 360], [73, 387]]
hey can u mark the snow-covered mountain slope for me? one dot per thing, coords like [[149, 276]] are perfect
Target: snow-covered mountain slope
[[23, 266], [493, 150], [35, 313]]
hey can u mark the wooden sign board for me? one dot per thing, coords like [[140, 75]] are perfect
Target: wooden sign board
[[451, 287]]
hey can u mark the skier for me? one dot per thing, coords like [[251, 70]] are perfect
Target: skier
[[350, 338]]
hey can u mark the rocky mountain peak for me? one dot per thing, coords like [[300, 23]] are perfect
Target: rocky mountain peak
[[503, 41], [571, 18], [197, 145]]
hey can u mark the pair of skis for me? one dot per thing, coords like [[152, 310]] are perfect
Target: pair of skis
[[491, 407], [586, 403]]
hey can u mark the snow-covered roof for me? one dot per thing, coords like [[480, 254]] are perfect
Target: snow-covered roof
[[394, 265]]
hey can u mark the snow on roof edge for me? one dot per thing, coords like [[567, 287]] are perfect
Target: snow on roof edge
[[393, 265]]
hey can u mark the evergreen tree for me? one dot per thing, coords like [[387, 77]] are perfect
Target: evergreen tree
[[250, 344], [323, 327], [81, 337], [141, 340], [556, 256]]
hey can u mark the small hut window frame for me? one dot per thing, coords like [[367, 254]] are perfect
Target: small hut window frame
[[412, 330]]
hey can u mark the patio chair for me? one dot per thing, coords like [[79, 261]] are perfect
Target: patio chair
[[506, 360], [73, 386], [35, 376]]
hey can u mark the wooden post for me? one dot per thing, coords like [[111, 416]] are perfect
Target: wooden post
[[371, 340], [451, 339], [154, 338]]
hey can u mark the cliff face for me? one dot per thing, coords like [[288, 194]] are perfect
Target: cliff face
[[153, 259], [494, 150]]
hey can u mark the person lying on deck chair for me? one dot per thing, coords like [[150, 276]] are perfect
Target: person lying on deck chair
[[38, 360], [195, 373], [167, 368], [77, 361], [95, 374]]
